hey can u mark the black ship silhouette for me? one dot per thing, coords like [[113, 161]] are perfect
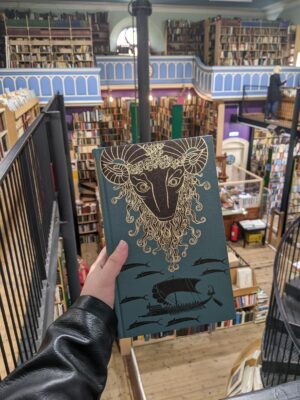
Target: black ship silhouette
[[166, 292]]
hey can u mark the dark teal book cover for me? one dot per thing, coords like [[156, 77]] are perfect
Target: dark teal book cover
[[163, 199]]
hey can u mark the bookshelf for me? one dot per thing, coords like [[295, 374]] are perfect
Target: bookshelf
[[182, 37], [18, 110], [85, 138], [200, 117], [294, 197], [3, 134], [268, 160], [49, 42], [62, 298], [254, 42], [114, 126], [100, 31], [87, 217], [2, 42], [161, 118]]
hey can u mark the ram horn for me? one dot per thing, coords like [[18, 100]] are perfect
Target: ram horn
[[115, 162], [194, 152]]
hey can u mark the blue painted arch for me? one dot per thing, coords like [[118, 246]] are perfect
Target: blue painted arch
[[92, 85], [9, 84], [81, 86], [33, 84], [20, 83], [46, 86], [57, 85], [69, 86]]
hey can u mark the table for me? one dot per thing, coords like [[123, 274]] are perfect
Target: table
[[253, 226]]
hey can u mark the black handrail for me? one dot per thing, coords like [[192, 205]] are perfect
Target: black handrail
[[278, 273]]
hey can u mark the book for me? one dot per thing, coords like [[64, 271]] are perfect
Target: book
[[163, 199]]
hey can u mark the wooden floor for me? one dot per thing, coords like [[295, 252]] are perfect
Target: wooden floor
[[197, 366]]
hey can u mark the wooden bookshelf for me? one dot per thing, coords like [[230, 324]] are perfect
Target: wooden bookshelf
[[114, 126], [200, 117], [49, 43], [87, 217], [238, 42], [100, 30], [182, 37], [161, 118], [16, 121], [2, 42], [4, 143]]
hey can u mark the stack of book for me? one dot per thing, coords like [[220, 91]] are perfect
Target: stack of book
[[262, 307]]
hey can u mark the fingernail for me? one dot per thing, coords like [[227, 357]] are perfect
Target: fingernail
[[122, 247]]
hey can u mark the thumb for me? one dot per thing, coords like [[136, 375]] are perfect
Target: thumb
[[116, 260]]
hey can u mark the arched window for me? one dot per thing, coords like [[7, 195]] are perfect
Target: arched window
[[127, 40]]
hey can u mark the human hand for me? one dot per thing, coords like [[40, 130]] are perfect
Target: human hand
[[101, 280]]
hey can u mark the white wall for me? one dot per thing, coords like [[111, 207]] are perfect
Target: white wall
[[292, 12], [120, 19]]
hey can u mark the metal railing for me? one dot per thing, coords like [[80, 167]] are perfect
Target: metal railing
[[30, 204], [281, 342]]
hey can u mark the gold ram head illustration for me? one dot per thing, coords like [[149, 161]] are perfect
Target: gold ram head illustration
[[159, 184]]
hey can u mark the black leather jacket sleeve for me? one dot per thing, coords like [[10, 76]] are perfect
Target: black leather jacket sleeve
[[72, 360]]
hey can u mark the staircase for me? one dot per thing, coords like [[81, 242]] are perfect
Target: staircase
[[281, 341]]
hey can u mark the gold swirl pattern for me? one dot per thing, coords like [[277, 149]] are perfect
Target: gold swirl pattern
[[162, 218]]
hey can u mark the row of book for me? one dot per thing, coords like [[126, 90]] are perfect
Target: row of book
[[86, 218], [87, 174], [241, 317], [88, 227], [91, 117], [92, 238], [245, 301], [86, 141]]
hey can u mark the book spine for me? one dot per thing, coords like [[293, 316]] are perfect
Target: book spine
[[110, 246]]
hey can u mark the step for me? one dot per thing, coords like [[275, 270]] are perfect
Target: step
[[280, 368], [292, 309], [292, 289], [274, 379], [280, 348]]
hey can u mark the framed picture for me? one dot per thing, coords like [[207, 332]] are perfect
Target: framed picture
[[236, 379]]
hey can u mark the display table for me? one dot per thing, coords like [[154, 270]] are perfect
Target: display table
[[249, 227], [240, 196]]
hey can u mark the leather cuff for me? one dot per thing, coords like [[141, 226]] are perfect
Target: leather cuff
[[99, 309]]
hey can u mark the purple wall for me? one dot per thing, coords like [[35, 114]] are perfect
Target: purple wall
[[244, 130]]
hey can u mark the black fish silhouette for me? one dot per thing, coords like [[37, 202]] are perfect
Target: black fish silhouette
[[147, 273], [126, 267], [201, 261], [211, 292], [133, 298], [179, 320], [213, 271], [137, 324]]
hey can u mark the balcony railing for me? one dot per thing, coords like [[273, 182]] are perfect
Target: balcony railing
[[82, 85], [78, 85]]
